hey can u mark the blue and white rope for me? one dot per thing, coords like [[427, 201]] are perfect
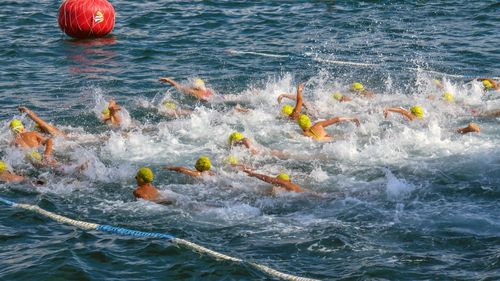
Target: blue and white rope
[[143, 234]]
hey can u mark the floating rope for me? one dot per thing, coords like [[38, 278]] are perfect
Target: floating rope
[[136, 233]]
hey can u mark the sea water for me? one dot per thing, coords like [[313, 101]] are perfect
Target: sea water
[[397, 200]]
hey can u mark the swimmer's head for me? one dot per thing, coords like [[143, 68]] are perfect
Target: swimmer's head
[[16, 126], [231, 160], [357, 87], [337, 96], [447, 96], [144, 175], [3, 166], [417, 111], [487, 85], [234, 137], [287, 109], [304, 122], [283, 176], [203, 164], [199, 84], [105, 112], [438, 83], [33, 157], [168, 104]]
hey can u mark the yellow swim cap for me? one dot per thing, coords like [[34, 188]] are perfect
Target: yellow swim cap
[[145, 175], [234, 137], [487, 85], [438, 83], [33, 157], [203, 164], [287, 109], [232, 160], [338, 96], [168, 104], [417, 111], [356, 86], [3, 166], [283, 176], [304, 122], [447, 96], [105, 111], [199, 84], [16, 126]]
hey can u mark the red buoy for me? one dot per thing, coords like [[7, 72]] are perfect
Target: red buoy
[[86, 18]]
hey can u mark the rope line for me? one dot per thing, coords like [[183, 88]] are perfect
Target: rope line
[[136, 233]]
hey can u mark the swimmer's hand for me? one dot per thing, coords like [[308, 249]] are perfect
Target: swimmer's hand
[[301, 86], [356, 121], [24, 109]]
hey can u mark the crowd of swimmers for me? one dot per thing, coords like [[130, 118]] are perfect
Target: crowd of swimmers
[[37, 144]]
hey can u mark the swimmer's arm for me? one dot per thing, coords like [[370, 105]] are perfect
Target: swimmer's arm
[[401, 111], [292, 97], [47, 153], [279, 154], [298, 105], [275, 181], [368, 94], [288, 96], [469, 129], [239, 108], [184, 89], [44, 125], [345, 99], [246, 142], [183, 170], [334, 120]]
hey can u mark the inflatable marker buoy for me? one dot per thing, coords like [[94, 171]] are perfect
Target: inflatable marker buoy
[[86, 18]]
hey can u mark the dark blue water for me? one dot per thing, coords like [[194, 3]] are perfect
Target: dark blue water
[[400, 201]]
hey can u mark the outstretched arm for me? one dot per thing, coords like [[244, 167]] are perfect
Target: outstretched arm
[[184, 170], [469, 129], [401, 111], [292, 97], [44, 125], [334, 120], [275, 181], [298, 105], [187, 90]]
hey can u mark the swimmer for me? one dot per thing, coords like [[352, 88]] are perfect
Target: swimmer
[[293, 113], [280, 181], [202, 166], [29, 139], [36, 160], [41, 124], [471, 128], [110, 115], [237, 139], [341, 98], [145, 189], [172, 109], [317, 131], [412, 114], [358, 89], [7, 176], [489, 84], [446, 96], [197, 89]]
